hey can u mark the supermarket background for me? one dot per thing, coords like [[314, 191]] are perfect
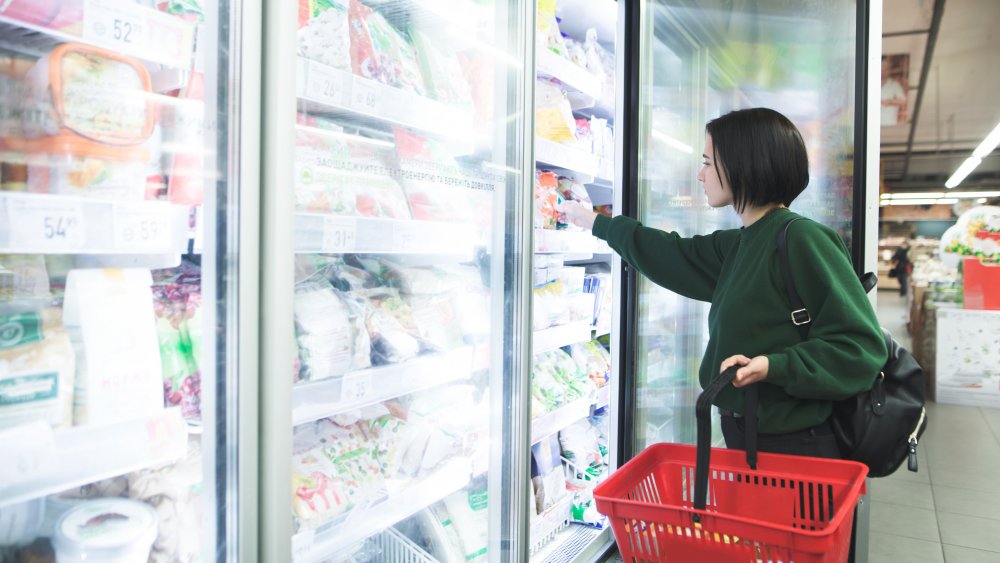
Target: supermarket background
[[284, 280]]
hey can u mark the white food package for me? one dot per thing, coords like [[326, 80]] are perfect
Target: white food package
[[331, 333]]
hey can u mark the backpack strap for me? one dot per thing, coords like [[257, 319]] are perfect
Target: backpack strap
[[800, 316]]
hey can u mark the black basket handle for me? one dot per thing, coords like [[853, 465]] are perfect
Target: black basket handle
[[703, 411]]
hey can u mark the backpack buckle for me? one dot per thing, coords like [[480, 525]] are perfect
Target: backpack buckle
[[801, 317]]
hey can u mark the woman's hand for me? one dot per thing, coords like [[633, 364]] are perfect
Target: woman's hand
[[578, 213], [753, 370]]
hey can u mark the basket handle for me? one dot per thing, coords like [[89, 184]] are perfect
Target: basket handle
[[703, 411]]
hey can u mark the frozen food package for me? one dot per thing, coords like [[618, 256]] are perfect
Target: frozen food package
[[417, 280], [567, 373], [478, 68], [547, 31], [442, 70], [547, 391], [324, 33], [579, 443], [417, 152], [593, 360], [390, 436], [469, 512], [177, 306], [547, 475], [86, 173], [24, 282], [394, 334], [436, 321], [547, 200], [330, 330], [553, 114], [348, 277], [549, 305], [379, 52], [37, 369], [90, 95]]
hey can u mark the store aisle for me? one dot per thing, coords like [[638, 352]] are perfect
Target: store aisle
[[949, 510]]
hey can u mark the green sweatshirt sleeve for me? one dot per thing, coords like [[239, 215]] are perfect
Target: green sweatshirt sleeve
[[845, 350], [687, 266]]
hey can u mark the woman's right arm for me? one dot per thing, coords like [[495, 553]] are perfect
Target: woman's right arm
[[688, 266]]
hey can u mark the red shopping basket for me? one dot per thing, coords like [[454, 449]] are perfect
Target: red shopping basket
[[788, 509]]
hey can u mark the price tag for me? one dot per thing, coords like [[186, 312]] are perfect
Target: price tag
[[339, 234], [366, 96], [134, 30], [142, 227], [408, 237], [45, 223], [356, 387], [199, 228], [326, 85]]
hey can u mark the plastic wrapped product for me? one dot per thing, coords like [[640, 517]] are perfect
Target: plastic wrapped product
[[547, 475], [592, 360], [549, 305], [393, 332], [469, 513], [553, 114], [436, 321], [442, 70], [37, 369], [547, 200], [324, 33], [381, 53], [579, 443], [547, 392], [330, 330], [113, 530]]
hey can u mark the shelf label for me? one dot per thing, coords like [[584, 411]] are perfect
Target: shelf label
[[356, 387], [408, 237], [27, 455], [134, 30], [141, 227], [45, 224], [326, 85], [339, 234], [366, 96]]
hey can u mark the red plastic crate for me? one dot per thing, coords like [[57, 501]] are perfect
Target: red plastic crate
[[791, 509]]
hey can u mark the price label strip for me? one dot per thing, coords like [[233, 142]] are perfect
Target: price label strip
[[356, 387], [366, 96], [46, 224], [142, 227], [327, 85], [131, 29], [339, 234]]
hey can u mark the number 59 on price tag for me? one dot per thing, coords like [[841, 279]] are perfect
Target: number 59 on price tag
[[141, 227]]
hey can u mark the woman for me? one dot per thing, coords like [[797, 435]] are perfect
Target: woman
[[755, 161]]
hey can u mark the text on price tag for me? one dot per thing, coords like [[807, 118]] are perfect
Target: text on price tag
[[339, 234], [357, 386], [327, 85], [46, 223], [141, 226], [366, 96], [132, 29]]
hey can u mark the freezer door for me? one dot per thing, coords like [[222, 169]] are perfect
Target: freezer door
[[119, 253], [393, 178], [701, 60]]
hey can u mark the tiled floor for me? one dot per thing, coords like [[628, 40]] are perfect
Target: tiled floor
[[950, 510]]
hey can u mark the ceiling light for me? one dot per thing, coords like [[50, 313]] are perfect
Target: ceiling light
[[918, 195], [989, 143], [968, 166], [940, 201]]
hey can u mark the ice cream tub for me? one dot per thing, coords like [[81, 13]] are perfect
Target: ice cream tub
[[110, 530]]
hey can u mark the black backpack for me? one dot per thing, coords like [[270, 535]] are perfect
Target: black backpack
[[882, 426]]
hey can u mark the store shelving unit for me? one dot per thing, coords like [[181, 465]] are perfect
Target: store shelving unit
[[316, 232], [558, 336], [39, 461]]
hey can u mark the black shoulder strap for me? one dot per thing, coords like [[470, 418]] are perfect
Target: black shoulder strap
[[800, 316]]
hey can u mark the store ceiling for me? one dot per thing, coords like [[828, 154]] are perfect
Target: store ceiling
[[958, 92]]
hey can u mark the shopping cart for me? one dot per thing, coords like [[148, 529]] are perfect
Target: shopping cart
[[686, 504]]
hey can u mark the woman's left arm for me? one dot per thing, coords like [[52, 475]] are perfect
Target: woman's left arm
[[845, 349]]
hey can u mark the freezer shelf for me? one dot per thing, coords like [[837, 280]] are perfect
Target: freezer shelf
[[549, 523], [338, 233], [57, 224], [309, 546], [548, 424], [579, 242], [572, 75], [325, 88], [39, 461], [123, 27], [559, 336], [318, 399], [582, 165]]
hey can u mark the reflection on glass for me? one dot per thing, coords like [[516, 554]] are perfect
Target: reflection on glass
[[701, 62]]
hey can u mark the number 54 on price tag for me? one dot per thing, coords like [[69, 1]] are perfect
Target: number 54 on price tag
[[45, 223]]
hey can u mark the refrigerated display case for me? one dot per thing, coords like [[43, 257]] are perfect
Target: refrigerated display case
[[574, 294], [117, 433], [393, 160]]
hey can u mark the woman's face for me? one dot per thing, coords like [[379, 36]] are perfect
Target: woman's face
[[716, 188]]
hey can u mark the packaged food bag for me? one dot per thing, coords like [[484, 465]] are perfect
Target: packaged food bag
[[442, 70], [391, 327], [324, 32], [330, 330], [37, 369], [553, 114], [381, 53]]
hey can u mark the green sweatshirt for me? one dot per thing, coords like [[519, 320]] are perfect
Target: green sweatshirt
[[738, 271]]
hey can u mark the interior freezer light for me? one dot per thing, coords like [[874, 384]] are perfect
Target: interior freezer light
[[968, 166], [672, 142], [918, 195], [345, 136], [989, 143]]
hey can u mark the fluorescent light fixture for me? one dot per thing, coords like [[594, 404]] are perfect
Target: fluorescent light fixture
[[968, 166], [672, 142], [916, 195], [981, 200], [939, 201], [989, 143]]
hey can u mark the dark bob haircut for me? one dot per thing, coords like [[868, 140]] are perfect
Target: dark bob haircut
[[763, 157]]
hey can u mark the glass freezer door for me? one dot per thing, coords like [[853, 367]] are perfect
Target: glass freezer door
[[116, 433], [395, 155], [701, 60]]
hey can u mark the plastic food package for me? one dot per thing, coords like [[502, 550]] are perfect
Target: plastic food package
[[442, 70], [469, 513], [330, 330], [547, 200], [410, 280], [111, 529], [553, 114], [436, 321], [549, 306], [177, 305], [547, 31], [547, 476], [37, 369], [548, 390], [90, 94], [601, 63], [593, 360], [391, 327], [580, 444], [24, 278], [324, 33], [88, 176], [381, 53], [478, 68]]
